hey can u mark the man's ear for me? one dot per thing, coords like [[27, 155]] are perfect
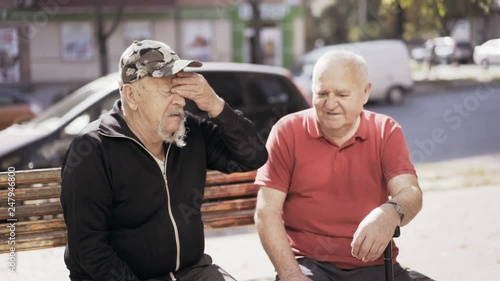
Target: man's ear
[[130, 96], [366, 92]]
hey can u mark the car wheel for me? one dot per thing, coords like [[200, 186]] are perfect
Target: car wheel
[[485, 63], [395, 96]]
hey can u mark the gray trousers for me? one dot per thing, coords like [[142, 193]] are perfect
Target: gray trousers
[[324, 271], [203, 270]]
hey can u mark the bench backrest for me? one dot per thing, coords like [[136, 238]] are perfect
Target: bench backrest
[[33, 206]]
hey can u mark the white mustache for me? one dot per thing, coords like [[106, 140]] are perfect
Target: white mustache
[[176, 112]]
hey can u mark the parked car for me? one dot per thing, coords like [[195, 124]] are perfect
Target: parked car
[[487, 53], [463, 52], [263, 93], [388, 68], [15, 108], [444, 49], [420, 54], [447, 50]]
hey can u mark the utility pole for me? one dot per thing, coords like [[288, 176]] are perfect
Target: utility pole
[[177, 27], [256, 24]]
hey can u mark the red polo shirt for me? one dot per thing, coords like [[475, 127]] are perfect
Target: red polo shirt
[[330, 189]]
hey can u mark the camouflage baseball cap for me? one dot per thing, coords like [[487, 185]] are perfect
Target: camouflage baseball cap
[[150, 58]]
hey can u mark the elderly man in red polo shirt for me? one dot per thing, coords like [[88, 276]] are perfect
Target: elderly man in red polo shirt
[[323, 209]]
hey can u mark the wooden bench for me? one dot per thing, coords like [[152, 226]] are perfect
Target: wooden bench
[[229, 201]]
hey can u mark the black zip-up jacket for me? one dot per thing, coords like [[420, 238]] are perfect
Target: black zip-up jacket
[[128, 221]]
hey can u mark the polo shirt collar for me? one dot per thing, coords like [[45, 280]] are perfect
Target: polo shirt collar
[[314, 131]]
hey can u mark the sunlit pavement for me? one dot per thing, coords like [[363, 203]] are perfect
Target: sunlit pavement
[[421, 72]]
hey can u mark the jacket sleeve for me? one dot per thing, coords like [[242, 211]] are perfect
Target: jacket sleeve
[[87, 200], [233, 143]]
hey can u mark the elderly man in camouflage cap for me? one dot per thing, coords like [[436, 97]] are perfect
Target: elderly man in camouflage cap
[[141, 165]]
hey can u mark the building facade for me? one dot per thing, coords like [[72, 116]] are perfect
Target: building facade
[[56, 39]]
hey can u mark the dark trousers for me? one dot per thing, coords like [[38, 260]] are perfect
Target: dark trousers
[[324, 271], [203, 270]]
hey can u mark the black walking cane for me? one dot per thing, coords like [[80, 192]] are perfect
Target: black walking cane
[[389, 274]]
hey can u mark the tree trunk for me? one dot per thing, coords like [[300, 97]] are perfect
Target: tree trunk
[[442, 20], [400, 21], [101, 40], [102, 36]]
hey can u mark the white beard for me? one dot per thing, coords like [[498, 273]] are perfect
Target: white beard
[[177, 137]]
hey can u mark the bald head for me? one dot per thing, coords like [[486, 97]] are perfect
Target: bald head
[[346, 60], [340, 90]]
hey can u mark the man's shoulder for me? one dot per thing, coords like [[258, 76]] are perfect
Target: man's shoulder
[[91, 128], [379, 120], [89, 135]]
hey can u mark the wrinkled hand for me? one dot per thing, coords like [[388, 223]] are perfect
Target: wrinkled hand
[[374, 233], [193, 86]]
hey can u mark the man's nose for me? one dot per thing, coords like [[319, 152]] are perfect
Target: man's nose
[[331, 101], [179, 100]]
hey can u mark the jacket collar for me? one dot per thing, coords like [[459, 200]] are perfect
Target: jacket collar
[[113, 124]]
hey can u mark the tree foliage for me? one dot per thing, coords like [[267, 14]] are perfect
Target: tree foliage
[[402, 19], [440, 15]]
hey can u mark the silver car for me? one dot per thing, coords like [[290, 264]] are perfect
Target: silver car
[[487, 53]]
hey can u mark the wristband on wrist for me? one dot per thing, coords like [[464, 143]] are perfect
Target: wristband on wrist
[[398, 209]]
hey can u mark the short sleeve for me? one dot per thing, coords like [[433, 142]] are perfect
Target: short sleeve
[[395, 154]]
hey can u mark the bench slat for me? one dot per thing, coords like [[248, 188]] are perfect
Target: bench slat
[[225, 222], [54, 175], [228, 206], [32, 176], [36, 241], [32, 193], [233, 190], [26, 227], [55, 208], [33, 210], [212, 192], [215, 177]]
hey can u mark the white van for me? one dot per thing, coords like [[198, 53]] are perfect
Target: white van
[[388, 68]]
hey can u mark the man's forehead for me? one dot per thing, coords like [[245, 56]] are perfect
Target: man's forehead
[[156, 82]]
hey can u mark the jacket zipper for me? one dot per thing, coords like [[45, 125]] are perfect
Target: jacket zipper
[[174, 223], [170, 214]]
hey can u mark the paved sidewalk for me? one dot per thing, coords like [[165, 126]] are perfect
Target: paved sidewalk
[[456, 237]]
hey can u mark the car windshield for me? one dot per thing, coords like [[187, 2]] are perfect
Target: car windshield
[[56, 111], [52, 114]]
